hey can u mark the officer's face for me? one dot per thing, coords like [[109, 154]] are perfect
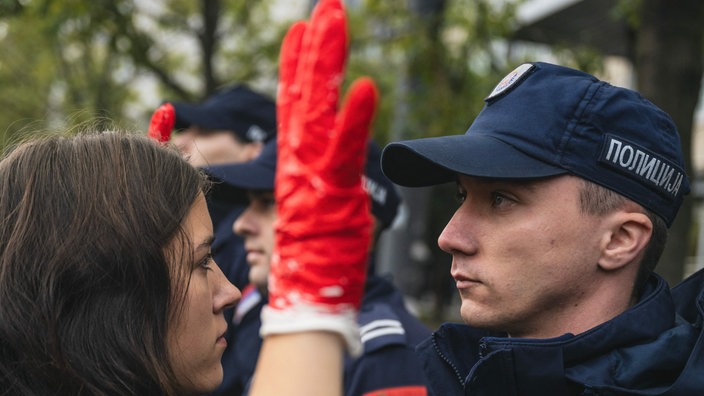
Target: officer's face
[[204, 147], [256, 225], [524, 256]]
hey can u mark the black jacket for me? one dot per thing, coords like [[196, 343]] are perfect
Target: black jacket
[[654, 348]]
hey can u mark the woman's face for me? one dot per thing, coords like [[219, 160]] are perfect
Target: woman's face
[[196, 340]]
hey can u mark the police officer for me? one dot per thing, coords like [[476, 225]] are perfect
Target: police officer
[[566, 187]]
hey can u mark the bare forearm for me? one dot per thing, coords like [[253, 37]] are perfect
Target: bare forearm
[[306, 363]]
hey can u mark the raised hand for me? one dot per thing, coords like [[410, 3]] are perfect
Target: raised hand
[[323, 231]]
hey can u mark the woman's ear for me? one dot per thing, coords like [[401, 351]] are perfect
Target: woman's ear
[[629, 233]]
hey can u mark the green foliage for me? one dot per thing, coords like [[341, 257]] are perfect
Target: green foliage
[[24, 78], [59, 57], [629, 11], [433, 70], [9, 7], [65, 62]]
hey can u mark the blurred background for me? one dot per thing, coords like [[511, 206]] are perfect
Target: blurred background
[[111, 63]]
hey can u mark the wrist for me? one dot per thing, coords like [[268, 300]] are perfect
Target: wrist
[[302, 317]]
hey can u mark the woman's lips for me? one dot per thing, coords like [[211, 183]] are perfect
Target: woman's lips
[[222, 340]]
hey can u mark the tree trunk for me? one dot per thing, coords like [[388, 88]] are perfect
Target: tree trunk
[[209, 41], [668, 62], [405, 251]]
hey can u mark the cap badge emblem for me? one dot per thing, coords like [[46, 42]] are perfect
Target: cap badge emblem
[[510, 80]]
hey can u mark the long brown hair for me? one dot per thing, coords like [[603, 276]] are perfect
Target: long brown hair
[[86, 287]]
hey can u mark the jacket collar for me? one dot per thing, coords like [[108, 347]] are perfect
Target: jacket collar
[[644, 348]]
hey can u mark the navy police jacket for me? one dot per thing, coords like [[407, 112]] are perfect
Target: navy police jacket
[[389, 365], [654, 348]]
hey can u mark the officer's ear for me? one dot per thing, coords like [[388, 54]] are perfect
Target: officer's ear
[[628, 233], [252, 150]]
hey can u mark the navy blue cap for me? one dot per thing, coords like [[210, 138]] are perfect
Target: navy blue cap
[[250, 115], [259, 174], [543, 120], [385, 198]]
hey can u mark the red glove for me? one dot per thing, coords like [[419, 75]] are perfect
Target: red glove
[[162, 123], [323, 230]]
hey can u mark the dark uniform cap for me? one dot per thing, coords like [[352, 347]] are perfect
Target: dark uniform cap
[[543, 120], [250, 115], [259, 174]]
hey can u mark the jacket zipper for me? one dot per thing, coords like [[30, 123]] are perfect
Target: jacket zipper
[[457, 372]]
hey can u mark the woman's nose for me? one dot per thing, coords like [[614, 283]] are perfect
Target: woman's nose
[[225, 295]]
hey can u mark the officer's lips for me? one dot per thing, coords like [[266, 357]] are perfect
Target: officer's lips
[[254, 256], [464, 282]]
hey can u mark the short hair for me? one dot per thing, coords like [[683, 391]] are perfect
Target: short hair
[[87, 287], [598, 200]]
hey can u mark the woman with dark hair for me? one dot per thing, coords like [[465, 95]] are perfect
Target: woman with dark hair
[[102, 268], [107, 286]]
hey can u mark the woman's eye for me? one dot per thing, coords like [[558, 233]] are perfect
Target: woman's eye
[[205, 262]]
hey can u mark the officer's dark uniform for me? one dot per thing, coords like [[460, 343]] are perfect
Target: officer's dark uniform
[[646, 350], [389, 364]]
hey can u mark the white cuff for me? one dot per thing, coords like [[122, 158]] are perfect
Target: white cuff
[[300, 318]]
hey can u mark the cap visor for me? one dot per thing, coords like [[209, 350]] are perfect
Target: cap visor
[[188, 114], [246, 176], [430, 161]]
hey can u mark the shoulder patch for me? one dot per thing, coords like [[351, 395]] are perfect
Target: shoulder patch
[[250, 298], [511, 79], [379, 327]]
